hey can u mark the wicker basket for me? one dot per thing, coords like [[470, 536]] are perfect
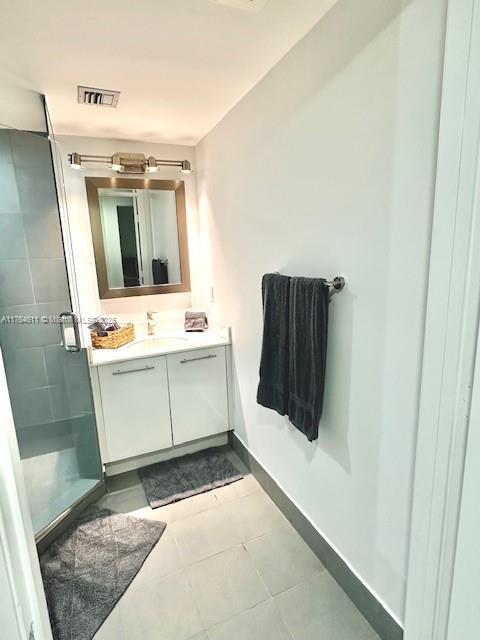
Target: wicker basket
[[115, 339]]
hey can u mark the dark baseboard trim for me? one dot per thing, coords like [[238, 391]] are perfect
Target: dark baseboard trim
[[364, 600]]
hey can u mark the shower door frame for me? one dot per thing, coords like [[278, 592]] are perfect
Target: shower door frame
[[60, 521], [64, 219], [50, 532]]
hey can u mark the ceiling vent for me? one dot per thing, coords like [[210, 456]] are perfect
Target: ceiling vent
[[98, 97], [247, 5]]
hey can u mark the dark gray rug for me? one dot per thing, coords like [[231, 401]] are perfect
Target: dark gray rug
[[87, 570], [180, 478]]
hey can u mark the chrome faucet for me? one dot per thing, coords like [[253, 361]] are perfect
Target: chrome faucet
[[151, 323]]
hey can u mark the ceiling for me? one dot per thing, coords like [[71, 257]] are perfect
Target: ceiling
[[180, 64]]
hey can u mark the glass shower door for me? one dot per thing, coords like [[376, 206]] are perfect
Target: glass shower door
[[47, 371]]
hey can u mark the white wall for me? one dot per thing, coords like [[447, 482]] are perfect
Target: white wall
[[90, 304], [327, 168], [20, 107], [111, 238], [164, 231]]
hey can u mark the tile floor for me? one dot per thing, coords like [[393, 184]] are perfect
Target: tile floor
[[228, 567]]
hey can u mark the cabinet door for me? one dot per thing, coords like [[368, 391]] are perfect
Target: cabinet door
[[135, 407], [198, 394]]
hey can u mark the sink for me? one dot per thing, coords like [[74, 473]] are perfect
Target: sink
[[156, 342]]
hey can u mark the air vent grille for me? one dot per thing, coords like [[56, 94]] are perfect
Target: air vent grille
[[98, 97]]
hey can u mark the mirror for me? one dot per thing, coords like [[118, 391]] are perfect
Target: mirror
[[139, 236]]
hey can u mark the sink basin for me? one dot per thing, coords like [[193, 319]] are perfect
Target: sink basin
[[156, 342]]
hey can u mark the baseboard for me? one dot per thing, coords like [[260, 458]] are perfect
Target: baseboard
[[365, 601]]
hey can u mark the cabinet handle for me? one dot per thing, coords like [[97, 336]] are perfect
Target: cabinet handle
[[211, 355], [119, 372]]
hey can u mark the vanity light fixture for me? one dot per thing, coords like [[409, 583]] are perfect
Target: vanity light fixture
[[75, 160], [116, 163], [151, 165], [128, 162], [186, 167]]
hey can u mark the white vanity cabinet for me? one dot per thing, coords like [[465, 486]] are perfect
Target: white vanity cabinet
[[136, 408], [198, 394], [151, 404]]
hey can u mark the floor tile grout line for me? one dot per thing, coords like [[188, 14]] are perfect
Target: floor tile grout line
[[299, 584], [244, 611], [293, 586], [185, 569], [268, 596], [217, 553], [214, 555], [289, 630], [270, 532], [197, 607], [133, 488], [185, 565], [238, 614], [258, 573], [156, 579]]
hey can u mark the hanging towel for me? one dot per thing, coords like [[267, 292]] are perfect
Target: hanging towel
[[273, 387], [160, 271], [308, 322]]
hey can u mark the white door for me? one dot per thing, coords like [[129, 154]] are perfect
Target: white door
[[198, 394], [465, 602], [22, 600], [436, 607], [11, 621], [135, 407]]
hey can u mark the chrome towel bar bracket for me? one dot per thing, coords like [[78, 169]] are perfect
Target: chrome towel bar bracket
[[335, 285]]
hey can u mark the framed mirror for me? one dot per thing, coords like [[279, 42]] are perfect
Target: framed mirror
[[139, 231]]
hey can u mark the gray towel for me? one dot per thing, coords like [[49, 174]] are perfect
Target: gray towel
[[160, 271], [308, 311], [273, 386], [294, 349]]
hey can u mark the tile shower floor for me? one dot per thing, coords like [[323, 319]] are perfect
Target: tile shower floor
[[53, 484], [228, 567]]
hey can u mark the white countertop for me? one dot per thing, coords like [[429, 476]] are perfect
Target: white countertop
[[162, 343]]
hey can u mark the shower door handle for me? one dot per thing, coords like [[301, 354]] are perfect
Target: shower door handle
[[71, 348]]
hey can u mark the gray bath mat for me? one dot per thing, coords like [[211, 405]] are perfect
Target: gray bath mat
[[180, 478], [87, 570]]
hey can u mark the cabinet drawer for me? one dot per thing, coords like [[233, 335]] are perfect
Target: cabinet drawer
[[135, 407], [198, 393]]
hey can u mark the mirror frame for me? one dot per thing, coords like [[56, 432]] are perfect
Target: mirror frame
[[93, 185]]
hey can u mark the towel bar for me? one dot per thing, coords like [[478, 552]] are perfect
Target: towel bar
[[334, 286]]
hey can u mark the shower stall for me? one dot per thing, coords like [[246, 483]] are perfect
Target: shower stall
[[45, 364]]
